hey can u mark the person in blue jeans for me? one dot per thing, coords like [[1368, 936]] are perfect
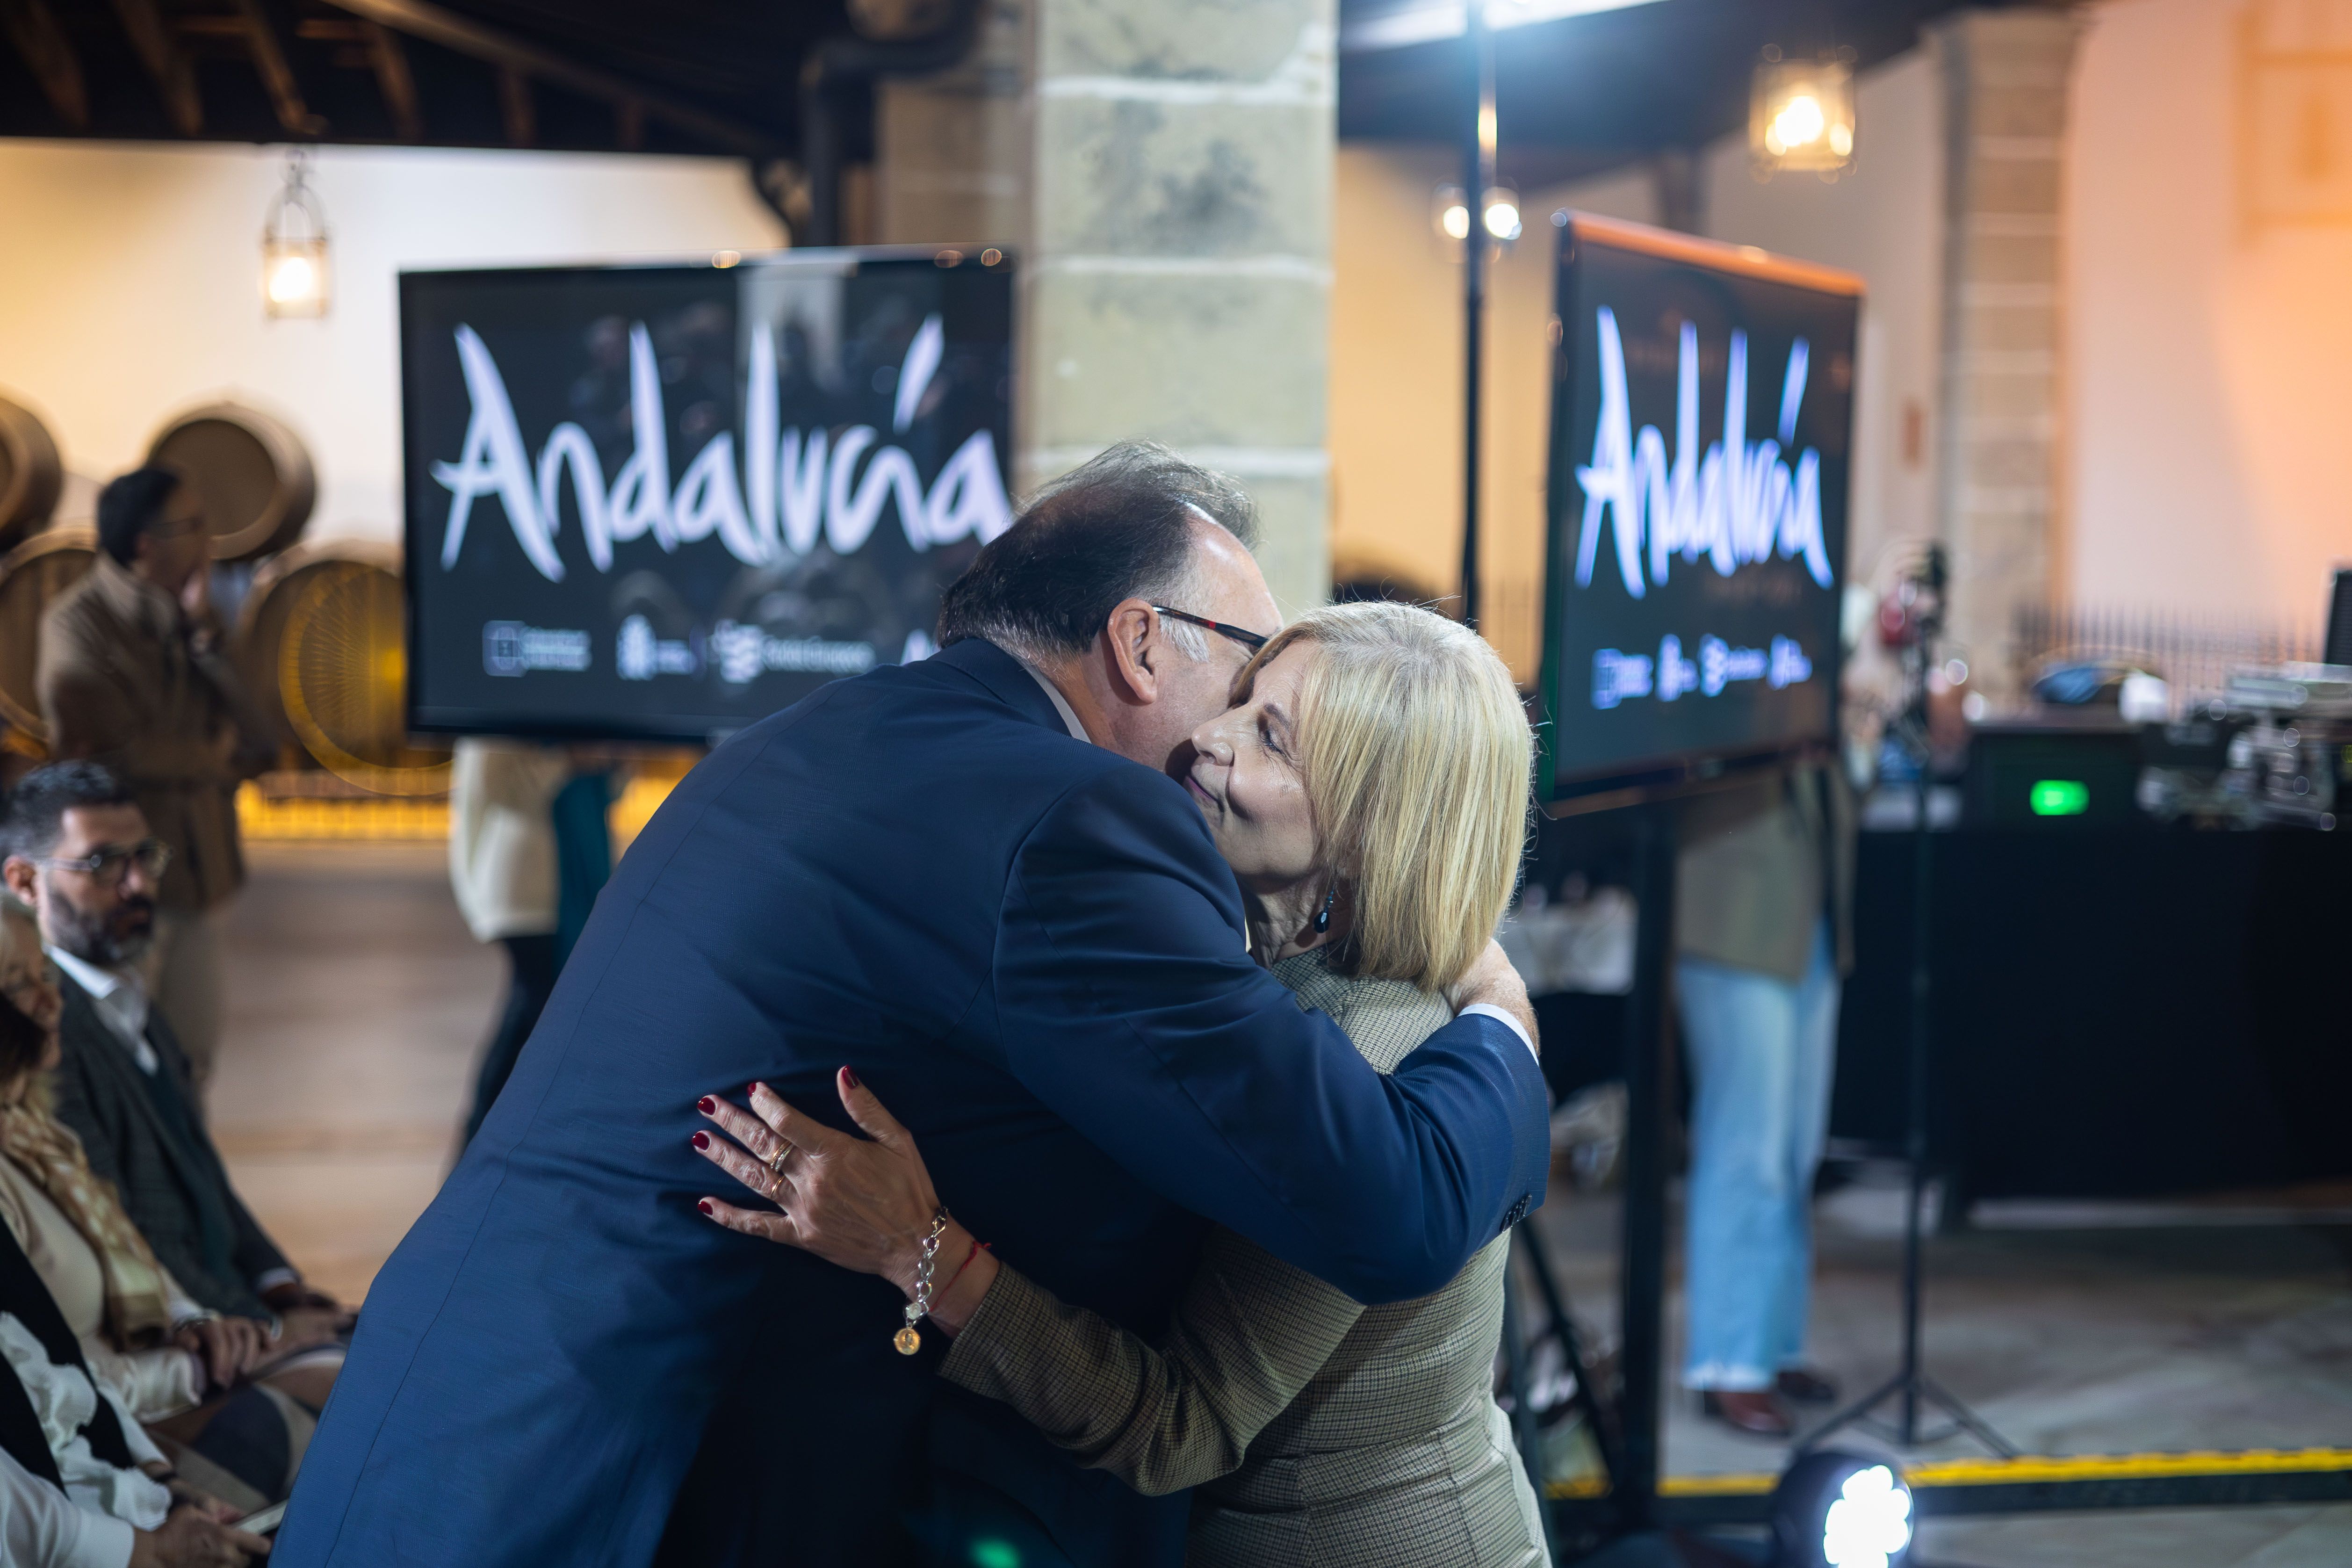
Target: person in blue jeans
[[1762, 937]]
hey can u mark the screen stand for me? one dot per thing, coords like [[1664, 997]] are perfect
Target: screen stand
[[1648, 1105]]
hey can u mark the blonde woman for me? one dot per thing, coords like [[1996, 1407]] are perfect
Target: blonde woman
[[1368, 787]]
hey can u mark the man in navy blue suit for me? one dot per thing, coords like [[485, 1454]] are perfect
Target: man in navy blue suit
[[970, 880]]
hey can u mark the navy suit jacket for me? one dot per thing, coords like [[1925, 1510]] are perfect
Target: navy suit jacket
[[1030, 950]]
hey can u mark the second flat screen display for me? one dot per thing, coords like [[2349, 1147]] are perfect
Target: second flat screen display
[[1702, 413]]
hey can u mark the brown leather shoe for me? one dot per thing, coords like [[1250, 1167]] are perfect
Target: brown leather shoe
[[1805, 1387], [1756, 1412]]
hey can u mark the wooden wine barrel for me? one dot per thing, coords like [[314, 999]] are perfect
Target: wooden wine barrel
[[30, 474], [33, 576], [322, 644], [253, 474]]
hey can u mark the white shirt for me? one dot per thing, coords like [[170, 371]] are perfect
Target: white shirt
[[120, 1001], [40, 1526], [1078, 732]]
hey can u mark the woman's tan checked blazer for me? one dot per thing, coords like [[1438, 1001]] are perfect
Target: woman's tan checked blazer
[[1318, 1431]]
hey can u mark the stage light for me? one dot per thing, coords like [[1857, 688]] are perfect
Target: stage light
[[294, 277], [1800, 115], [1449, 213], [1409, 25], [1835, 1509], [1502, 206]]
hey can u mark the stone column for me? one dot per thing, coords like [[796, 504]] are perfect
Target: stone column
[[951, 151], [2006, 75], [1177, 272]]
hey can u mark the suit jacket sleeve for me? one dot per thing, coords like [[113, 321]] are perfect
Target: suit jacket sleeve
[[1129, 1003], [251, 1250], [1249, 1334]]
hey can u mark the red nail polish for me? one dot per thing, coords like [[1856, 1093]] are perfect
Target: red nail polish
[[702, 1140], [849, 1077], [703, 1203], [705, 1105]]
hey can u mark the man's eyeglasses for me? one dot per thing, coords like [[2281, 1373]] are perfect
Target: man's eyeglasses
[[1249, 639], [107, 867]]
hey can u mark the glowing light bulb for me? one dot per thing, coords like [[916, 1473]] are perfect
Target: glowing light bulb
[[292, 280], [1869, 1522], [1456, 223], [1800, 123], [1503, 219]]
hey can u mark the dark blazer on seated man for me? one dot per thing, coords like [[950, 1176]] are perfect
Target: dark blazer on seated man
[[143, 1126], [1031, 949]]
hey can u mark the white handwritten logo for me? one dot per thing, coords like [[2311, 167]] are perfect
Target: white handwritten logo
[[1735, 505], [1619, 677], [792, 487], [638, 655]]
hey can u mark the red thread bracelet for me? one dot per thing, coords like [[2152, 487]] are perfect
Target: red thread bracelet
[[978, 1246]]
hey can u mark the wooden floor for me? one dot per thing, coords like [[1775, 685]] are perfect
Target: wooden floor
[[357, 1003]]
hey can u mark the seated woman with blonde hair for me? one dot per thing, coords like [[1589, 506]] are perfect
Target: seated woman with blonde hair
[[1368, 787], [232, 1400]]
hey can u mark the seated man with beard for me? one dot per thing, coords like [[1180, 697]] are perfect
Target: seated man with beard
[[75, 848]]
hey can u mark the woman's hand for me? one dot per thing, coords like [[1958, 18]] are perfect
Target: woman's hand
[[185, 1495], [225, 1348], [189, 1539], [865, 1204]]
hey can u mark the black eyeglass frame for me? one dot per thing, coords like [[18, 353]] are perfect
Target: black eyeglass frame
[[152, 855], [1249, 639]]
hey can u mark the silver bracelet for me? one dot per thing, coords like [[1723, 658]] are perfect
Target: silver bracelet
[[908, 1341]]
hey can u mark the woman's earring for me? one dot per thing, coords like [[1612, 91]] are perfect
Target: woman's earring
[[1323, 919]]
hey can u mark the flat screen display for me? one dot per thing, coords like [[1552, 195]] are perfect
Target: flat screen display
[[661, 502], [1702, 413]]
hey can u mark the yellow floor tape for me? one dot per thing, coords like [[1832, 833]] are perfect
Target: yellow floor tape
[[2026, 1468]]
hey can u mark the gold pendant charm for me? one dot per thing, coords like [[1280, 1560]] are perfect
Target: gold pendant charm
[[908, 1341]]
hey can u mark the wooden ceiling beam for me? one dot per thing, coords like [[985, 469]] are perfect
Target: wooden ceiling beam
[[516, 108], [266, 39], [436, 25], [33, 27], [389, 57], [174, 78]]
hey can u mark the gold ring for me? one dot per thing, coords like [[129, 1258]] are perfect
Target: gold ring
[[776, 1160]]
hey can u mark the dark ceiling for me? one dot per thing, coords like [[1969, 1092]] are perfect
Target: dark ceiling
[[720, 76], [684, 76], [1589, 92]]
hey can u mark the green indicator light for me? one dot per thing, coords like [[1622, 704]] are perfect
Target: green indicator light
[[2060, 797], [987, 1553]]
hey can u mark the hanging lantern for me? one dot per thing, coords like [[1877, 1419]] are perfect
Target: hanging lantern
[[1800, 115], [294, 278]]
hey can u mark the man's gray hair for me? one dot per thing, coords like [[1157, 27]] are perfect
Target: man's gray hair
[[1117, 526]]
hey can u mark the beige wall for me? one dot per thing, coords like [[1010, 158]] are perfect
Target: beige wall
[[1883, 219], [2209, 331], [129, 283], [1396, 386]]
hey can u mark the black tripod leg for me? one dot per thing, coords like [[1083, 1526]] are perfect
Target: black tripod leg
[[1599, 1413], [1965, 1418], [1853, 1415], [1523, 1405]]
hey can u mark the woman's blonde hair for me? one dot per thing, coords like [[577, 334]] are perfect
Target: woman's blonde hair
[[1416, 758]]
